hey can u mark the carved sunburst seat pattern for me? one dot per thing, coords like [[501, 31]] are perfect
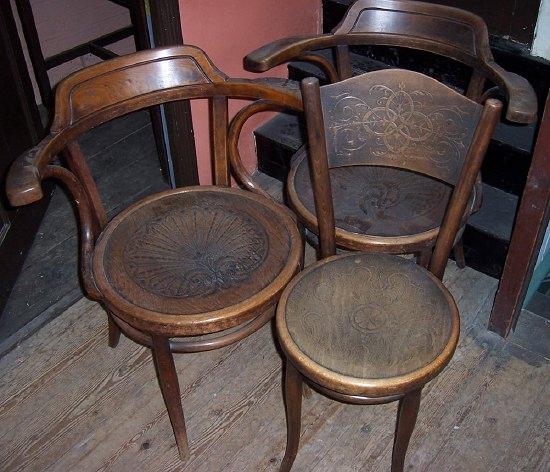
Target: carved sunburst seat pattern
[[188, 253]]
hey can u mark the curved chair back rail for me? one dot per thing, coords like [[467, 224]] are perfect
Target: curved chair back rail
[[439, 29], [119, 86], [400, 119]]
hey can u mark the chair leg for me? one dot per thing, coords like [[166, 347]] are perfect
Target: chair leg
[[169, 386], [114, 331], [458, 251], [423, 258], [406, 419], [293, 404]]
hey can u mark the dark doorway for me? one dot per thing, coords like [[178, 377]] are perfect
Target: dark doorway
[[20, 129]]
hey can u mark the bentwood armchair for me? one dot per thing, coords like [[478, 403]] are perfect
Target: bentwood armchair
[[185, 270], [374, 328], [385, 210]]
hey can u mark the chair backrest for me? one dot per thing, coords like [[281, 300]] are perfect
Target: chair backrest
[[440, 29], [107, 90], [400, 119], [128, 83]]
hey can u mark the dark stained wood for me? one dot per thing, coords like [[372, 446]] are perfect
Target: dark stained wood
[[208, 263], [406, 419], [531, 222], [366, 329], [385, 318], [413, 134], [166, 23], [439, 29], [463, 189], [219, 124], [242, 175], [293, 388], [383, 118], [374, 328], [319, 168], [188, 254], [169, 386]]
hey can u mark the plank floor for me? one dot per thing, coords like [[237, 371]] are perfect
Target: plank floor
[[69, 403], [123, 159]]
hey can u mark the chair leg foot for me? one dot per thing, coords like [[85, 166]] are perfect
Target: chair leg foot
[[293, 404], [423, 258], [458, 251], [169, 386], [114, 332], [406, 419]]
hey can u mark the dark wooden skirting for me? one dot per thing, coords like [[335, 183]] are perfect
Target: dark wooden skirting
[[531, 223], [165, 17]]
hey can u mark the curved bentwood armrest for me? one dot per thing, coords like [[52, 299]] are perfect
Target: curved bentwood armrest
[[240, 172], [105, 91], [23, 182], [521, 98]]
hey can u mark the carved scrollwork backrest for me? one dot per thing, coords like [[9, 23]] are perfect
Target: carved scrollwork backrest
[[400, 119]]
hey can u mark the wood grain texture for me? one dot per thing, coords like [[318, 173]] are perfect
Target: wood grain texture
[[383, 315], [195, 259], [63, 392], [377, 201], [438, 29], [397, 119]]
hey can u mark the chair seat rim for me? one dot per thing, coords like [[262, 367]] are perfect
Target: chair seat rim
[[199, 323], [359, 241], [349, 385]]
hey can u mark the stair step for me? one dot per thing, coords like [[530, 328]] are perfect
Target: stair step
[[276, 142], [488, 232]]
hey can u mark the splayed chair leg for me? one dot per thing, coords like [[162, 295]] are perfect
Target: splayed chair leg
[[406, 419], [293, 405], [114, 331], [169, 386]]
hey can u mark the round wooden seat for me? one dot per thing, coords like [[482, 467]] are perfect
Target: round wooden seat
[[368, 325], [392, 209], [196, 260]]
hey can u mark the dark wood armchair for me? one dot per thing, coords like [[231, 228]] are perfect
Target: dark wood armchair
[[390, 209], [374, 328], [186, 270], [439, 29]]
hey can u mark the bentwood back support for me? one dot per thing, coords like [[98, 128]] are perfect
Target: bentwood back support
[[186, 270], [370, 328], [389, 209], [438, 29]]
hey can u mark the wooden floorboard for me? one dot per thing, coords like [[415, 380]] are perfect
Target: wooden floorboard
[[69, 403], [122, 157]]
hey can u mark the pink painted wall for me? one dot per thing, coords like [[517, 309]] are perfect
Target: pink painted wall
[[227, 31]]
